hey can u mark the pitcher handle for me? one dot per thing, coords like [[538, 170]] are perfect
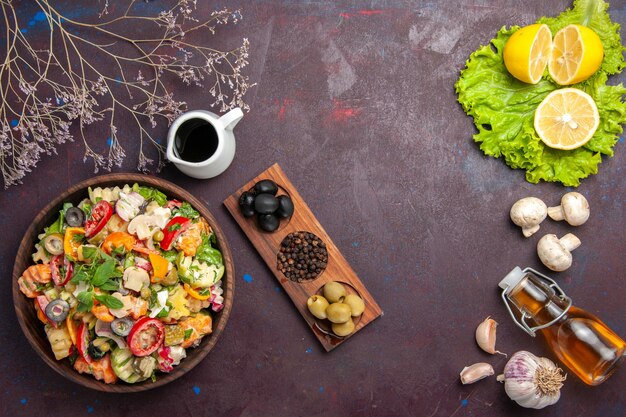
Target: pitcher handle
[[230, 119]]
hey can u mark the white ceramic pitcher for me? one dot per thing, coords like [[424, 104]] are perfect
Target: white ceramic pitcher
[[224, 153]]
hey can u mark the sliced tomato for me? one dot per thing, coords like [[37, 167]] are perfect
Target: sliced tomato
[[61, 269], [100, 215], [172, 230], [82, 342], [146, 336]]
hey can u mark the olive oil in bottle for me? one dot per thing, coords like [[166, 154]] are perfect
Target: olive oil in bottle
[[581, 341]]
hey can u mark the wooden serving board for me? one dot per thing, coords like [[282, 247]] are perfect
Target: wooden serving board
[[337, 269]]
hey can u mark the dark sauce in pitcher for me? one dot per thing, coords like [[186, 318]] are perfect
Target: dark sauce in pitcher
[[195, 141]]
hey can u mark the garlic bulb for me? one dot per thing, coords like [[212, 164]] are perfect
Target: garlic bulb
[[531, 381]]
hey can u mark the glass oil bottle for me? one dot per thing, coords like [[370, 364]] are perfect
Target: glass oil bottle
[[580, 340]]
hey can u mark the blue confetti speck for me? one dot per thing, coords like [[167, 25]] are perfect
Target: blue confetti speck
[[309, 350], [23, 30], [40, 16], [32, 23], [109, 141], [196, 390], [355, 244], [247, 277], [321, 389], [14, 122], [118, 79], [464, 402], [277, 289], [23, 400], [89, 409]]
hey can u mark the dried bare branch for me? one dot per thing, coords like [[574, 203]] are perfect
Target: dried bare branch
[[90, 73]]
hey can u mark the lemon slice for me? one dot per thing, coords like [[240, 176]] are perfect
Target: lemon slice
[[566, 119], [527, 52], [577, 53]]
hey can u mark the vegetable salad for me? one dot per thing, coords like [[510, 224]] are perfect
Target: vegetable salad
[[125, 283]]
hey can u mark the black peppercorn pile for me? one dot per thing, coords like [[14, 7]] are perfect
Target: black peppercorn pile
[[302, 256]]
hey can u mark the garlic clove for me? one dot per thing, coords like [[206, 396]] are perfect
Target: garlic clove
[[486, 336], [475, 372]]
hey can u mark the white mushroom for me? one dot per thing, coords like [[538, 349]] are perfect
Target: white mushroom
[[528, 213], [135, 278], [555, 253], [574, 209]]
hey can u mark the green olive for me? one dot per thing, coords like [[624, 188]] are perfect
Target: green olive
[[317, 306], [53, 243], [171, 278], [357, 306], [343, 329], [145, 293], [338, 312], [158, 236], [334, 291]]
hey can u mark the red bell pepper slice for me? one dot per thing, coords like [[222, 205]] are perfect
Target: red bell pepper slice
[[100, 215], [172, 230], [146, 336], [82, 342], [61, 275]]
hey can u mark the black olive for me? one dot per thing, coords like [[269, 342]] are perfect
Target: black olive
[[246, 204], [285, 206], [265, 203], [121, 327], [266, 186], [74, 217], [98, 347], [57, 310], [268, 222]]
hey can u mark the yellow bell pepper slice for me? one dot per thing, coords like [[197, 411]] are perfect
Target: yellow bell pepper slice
[[159, 265], [70, 244], [195, 294], [117, 239]]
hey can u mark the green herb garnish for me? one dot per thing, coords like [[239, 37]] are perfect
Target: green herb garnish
[[188, 333], [109, 301], [186, 210]]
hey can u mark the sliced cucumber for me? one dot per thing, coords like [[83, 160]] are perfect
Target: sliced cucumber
[[122, 364]]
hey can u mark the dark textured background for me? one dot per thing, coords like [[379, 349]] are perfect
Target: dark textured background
[[355, 101]]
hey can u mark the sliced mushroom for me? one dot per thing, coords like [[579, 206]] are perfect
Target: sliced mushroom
[[135, 278], [555, 253], [528, 213], [574, 209]]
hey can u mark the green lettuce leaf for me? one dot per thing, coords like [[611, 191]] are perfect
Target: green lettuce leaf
[[503, 108]]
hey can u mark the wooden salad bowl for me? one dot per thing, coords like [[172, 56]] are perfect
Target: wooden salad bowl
[[34, 329]]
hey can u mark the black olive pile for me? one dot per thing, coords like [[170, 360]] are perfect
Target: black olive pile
[[302, 256], [263, 202]]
